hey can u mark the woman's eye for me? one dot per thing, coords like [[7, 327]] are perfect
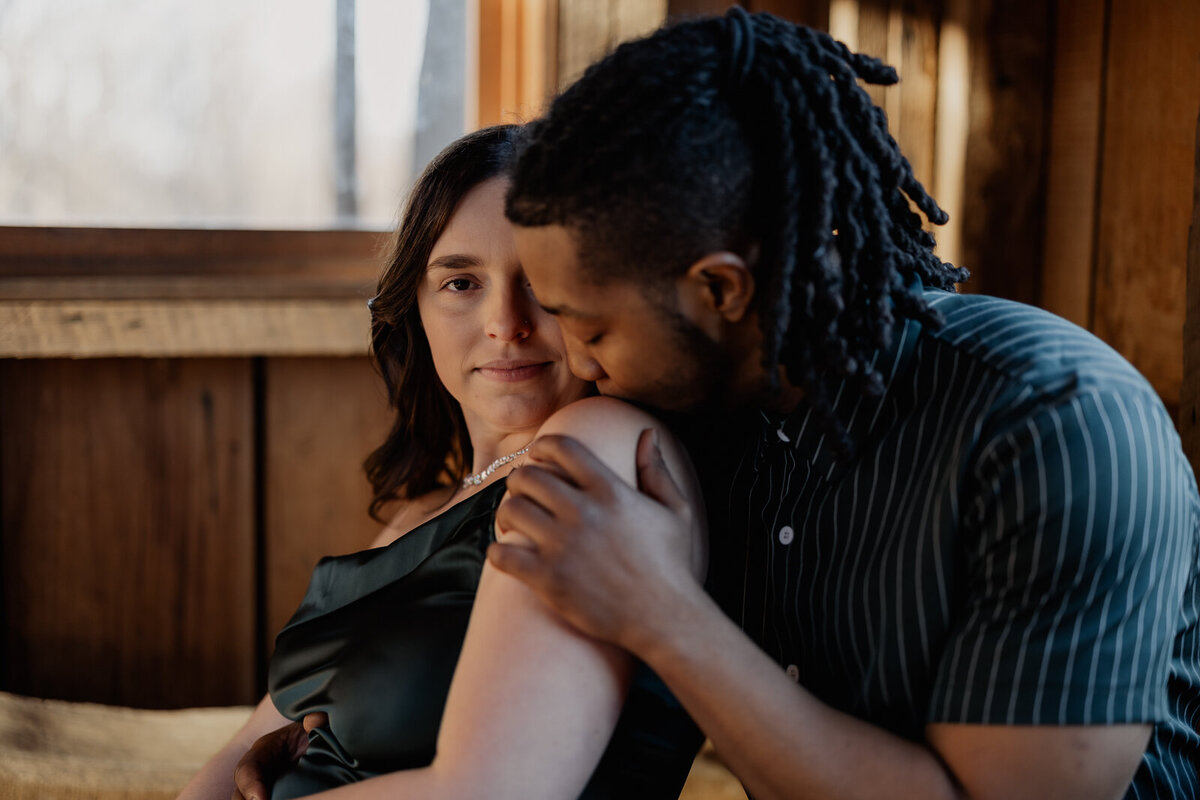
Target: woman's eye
[[457, 284], [595, 339]]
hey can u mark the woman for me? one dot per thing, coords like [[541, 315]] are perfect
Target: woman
[[475, 370]]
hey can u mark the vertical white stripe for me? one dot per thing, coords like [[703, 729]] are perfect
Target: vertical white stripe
[[1093, 497], [1116, 485], [1038, 538], [1064, 535], [1138, 660], [1018, 517], [1115, 678]]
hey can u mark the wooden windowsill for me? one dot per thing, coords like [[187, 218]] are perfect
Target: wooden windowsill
[[92, 292]]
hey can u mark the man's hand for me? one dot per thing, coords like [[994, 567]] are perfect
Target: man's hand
[[601, 553], [272, 755]]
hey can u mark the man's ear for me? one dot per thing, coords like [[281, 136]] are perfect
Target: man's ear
[[721, 282]]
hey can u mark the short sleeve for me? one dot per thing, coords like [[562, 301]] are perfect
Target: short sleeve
[[1079, 538]]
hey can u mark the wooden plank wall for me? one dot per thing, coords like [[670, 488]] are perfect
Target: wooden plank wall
[[322, 417], [1151, 94], [589, 30], [128, 529], [1119, 199], [1059, 138], [160, 516], [1189, 412]]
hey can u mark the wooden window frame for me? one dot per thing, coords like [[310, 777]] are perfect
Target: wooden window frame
[[106, 292]]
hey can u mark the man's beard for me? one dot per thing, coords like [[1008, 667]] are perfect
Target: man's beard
[[700, 382]]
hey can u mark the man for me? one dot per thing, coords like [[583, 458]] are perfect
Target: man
[[954, 538]]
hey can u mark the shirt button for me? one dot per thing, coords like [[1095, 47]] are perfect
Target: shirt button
[[786, 534], [793, 672]]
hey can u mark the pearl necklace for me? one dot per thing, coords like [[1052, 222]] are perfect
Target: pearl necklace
[[480, 477]]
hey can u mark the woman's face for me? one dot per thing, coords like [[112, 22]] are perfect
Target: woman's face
[[493, 347]]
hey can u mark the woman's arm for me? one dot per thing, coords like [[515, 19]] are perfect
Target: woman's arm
[[214, 781], [533, 702]]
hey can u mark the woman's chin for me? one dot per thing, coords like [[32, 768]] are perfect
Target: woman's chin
[[514, 415]]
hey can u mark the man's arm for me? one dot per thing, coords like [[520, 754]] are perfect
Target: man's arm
[[776, 737], [783, 742]]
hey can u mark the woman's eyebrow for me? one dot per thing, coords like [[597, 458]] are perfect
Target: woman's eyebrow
[[454, 261]]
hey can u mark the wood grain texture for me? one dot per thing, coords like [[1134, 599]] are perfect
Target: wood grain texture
[[696, 8], [952, 125], [491, 51], [1189, 403], [126, 504], [917, 63], [323, 416], [843, 22], [1151, 94], [814, 13], [632, 19], [873, 21], [105, 252], [583, 36], [1068, 261], [184, 287], [539, 54], [1004, 175], [904, 34], [108, 328], [589, 29], [517, 50]]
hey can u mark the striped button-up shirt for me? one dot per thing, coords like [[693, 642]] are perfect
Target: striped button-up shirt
[[1013, 541]]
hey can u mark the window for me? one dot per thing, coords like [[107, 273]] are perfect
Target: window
[[293, 114]]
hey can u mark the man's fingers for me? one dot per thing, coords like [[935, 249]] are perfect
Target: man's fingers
[[577, 464], [520, 562], [248, 787], [654, 478], [544, 487], [521, 514], [265, 758]]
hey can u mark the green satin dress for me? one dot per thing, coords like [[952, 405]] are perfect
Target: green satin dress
[[374, 645]]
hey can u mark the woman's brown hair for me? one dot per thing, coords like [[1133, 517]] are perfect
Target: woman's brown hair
[[428, 447]]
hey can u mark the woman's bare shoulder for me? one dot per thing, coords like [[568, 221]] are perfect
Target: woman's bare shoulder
[[608, 427], [597, 415]]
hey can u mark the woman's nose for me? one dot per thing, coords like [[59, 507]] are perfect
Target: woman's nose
[[509, 319]]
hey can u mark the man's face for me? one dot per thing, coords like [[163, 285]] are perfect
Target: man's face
[[631, 341]]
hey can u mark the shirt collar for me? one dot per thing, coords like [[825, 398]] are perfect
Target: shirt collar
[[858, 412]]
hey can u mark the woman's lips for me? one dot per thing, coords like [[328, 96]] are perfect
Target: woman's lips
[[513, 371]]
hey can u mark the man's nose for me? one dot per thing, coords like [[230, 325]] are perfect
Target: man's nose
[[582, 365]]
